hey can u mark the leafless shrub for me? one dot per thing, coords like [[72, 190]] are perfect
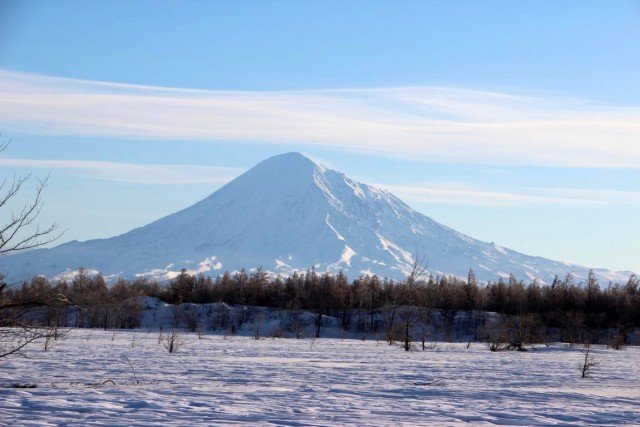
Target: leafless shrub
[[277, 333], [55, 333], [191, 317], [296, 324], [433, 345], [588, 363], [200, 331], [391, 328], [257, 324], [173, 341], [497, 344], [501, 345], [617, 341]]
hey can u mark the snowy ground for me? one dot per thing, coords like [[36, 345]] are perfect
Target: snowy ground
[[86, 379]]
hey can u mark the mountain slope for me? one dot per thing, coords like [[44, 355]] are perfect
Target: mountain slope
[[289, 213]]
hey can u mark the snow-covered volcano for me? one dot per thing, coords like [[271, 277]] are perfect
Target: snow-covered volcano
[[289, 213]]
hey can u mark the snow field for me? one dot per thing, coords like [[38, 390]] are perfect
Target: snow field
[[126, 378]]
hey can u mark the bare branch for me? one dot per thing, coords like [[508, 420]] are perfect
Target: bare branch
[[417, 270], [21, 233], [17, 235], [4, 145], [14, 340]]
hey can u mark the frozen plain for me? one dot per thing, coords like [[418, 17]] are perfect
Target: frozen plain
[[88, 378]]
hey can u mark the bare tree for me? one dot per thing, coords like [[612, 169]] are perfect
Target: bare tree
[[410, 310], [389, 313], [19, 232], [257, 324], [424, 321], [296, 323], [173, 341], [588, 362]]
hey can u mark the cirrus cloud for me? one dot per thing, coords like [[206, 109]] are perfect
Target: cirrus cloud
[[444, 193], [132, 172], [436, 124]]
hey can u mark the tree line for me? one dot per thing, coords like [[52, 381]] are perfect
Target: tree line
[[577, 311]]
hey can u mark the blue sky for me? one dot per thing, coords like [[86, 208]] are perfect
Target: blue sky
[[513, 122]]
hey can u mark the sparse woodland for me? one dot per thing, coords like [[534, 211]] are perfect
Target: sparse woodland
[[508, 314]]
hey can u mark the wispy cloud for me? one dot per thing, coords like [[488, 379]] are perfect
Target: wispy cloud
[[436, 192], [132, 173], [460, 194], [424, 123]]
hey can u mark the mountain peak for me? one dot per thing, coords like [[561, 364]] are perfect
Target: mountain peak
[[292, 161], [283, 172], [292, 156]]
